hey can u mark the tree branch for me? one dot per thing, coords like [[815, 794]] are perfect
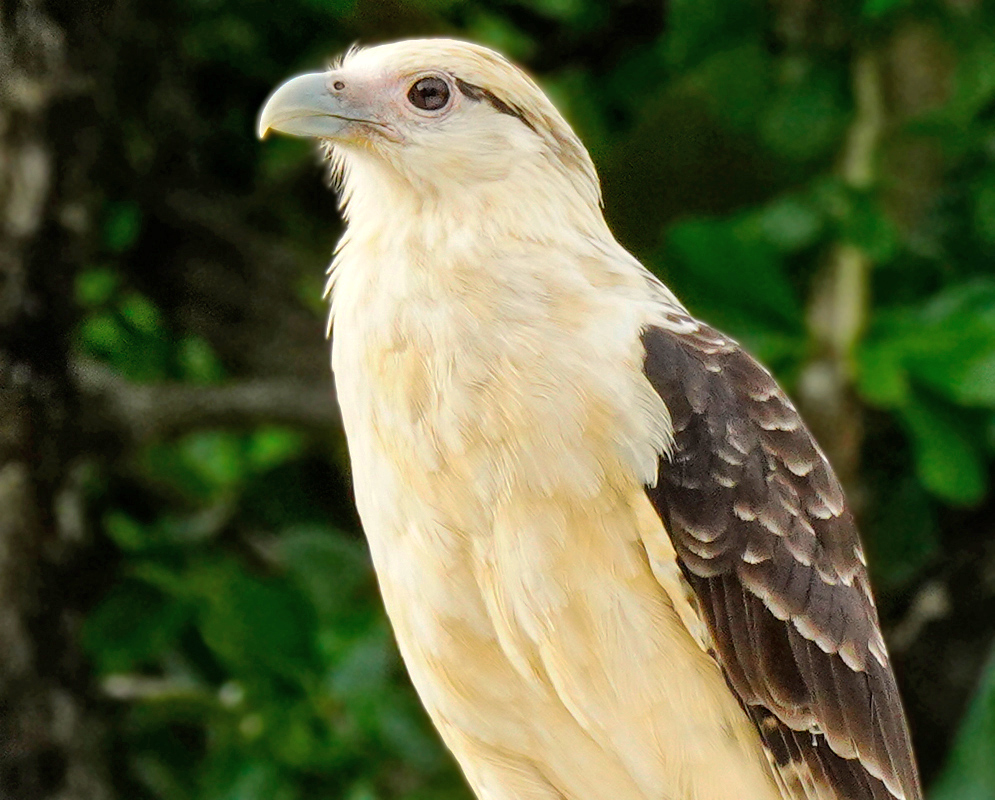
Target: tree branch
[[840, 297], [141, 413]]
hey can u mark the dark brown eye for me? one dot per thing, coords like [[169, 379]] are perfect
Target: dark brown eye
[[429, 94]]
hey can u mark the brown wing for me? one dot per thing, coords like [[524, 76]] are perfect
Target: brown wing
[[764, 538]]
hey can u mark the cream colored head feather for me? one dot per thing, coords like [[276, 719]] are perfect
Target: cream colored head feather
[[448, 119]]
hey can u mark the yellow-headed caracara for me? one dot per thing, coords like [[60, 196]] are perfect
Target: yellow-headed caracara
[[616, 562]]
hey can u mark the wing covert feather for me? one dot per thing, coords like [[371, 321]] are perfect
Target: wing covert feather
[[764, 538]]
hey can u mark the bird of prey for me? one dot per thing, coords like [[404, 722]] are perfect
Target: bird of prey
[[616, 562]]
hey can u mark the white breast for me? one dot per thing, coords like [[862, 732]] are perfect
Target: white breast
[[501, 433]]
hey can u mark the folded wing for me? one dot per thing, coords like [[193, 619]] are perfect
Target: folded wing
[[765, 540]]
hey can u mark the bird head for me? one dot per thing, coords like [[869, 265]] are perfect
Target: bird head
[[442, 117]]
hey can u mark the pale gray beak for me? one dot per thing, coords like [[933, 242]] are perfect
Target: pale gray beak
[[306, 106]]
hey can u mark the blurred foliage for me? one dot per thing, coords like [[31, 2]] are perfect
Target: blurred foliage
[[970, 772], [242, 644]]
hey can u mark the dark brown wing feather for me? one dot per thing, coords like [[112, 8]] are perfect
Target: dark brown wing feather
[[764, 538]]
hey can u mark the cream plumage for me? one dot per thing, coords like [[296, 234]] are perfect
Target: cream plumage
[[615, 561]]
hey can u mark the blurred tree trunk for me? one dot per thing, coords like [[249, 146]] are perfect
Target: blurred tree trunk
[[50, 739]]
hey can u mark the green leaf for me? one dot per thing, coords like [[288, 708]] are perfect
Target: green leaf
[[731, 83], [328, 567], [948, 459], [167, 529], [254, 780], [333, 8], [364, 670], [727, 263], [198, 361], [133, 625], [973, 384], [697, 27], [881, 375], [215, 457], [497, 31], [102, 334], [984, 208], [122, 224], [948, 345], [974, 83], [955, 343], [805, 118], [152, 770], [95, 287], [399, 724], [271, 446], [790, 223], [969, 773], [165, 463], [902, 534], [127, 532], [253, 624], [868, 227], [297, 744], [874, 9], [564, 11], [141, 313], [361, 790], [166, 578]]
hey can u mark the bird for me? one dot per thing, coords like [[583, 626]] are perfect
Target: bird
[[615, 561]]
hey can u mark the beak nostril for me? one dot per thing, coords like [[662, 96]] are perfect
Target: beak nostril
[[338, 86], [307, 105]]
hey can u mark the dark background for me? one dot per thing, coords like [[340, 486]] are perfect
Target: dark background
[[187, 609]]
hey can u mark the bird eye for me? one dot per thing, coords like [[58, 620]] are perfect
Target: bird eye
[[429, 94]]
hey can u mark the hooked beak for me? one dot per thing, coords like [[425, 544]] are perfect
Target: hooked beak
[[306, 106]]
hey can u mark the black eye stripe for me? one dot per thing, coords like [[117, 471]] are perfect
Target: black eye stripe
[[479, 93], [429, 94]]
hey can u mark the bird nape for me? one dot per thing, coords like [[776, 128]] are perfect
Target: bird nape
[[615, 560]]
